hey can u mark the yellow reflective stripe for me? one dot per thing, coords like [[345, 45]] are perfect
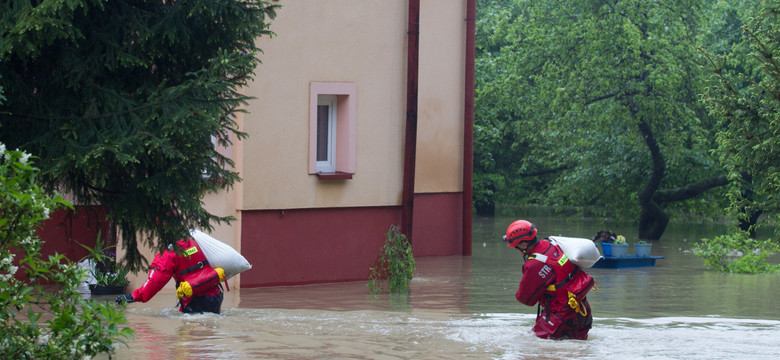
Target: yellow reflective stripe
[[563, 260], [191, 251], [551, 288]]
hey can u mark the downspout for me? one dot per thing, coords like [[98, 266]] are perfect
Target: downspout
[[468, 124], [410, 146]]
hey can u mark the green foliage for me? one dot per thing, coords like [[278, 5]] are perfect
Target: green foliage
[[116, 277], [104, 267], [745, 96], [395, 264], [738, 253], [42, 313], [124, 100], [562, 89]]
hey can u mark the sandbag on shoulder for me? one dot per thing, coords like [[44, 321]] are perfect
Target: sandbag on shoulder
[[582, 252], [220, 254]]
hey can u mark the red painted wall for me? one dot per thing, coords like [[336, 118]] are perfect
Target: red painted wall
[[299, 246], [438, 224], [305, 246], [65, 229]]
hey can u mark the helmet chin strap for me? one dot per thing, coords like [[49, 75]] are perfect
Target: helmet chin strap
[[525, 254], [531, 244]]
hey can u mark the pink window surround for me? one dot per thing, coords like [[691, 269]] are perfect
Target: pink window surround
[[346, 107]]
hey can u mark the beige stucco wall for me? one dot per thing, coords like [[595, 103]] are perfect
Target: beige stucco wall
[[441, 96], [362, 42]]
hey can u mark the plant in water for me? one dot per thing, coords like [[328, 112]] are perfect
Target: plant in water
[[103, 265], [395, 264], [738, 253], [42, 313]]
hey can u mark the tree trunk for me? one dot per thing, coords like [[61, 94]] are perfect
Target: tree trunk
[[749, 221], [689, 191], [486, 204], [652, 219], [750, 215], [652, 222], [485, 209]]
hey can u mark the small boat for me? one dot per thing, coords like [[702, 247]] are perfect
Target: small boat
[[627, 261]]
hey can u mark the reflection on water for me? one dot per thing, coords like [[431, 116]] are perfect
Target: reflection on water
[[464, 307]]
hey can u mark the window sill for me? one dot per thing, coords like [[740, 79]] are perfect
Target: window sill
[[214, 179], [334, 176]]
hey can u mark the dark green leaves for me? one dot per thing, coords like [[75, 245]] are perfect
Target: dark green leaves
[[124, 100], [565, 86]]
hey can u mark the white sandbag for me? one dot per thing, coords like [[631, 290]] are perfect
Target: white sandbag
[[220, 254], [88, 265], [582, 252]]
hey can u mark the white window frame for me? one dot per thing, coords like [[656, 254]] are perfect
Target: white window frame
[[344, 136], [328, 165]]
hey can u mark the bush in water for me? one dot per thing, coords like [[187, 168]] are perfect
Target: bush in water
[[738, 253], [395, 264], [38, 321]]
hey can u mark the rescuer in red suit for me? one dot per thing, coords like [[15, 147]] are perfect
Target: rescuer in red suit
[[554, 283], [186, 263]]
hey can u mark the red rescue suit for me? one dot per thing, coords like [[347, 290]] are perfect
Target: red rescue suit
[[185, 267], [559, 287]]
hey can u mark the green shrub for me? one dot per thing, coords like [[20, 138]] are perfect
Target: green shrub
[[395, 264], [104, 268], [42, 313], [738, 253]]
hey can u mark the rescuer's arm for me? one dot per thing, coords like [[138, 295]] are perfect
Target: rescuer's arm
[[536, 276], [161, 271]]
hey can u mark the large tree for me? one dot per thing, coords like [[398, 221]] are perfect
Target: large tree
[[745, 96], [606, 90], [124, 100], [509, 146]]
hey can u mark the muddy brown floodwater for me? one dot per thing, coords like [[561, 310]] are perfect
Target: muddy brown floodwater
[[464, 308]]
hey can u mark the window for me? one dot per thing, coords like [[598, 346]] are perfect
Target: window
[[332, 125], [226, 151], [326, 133], [206, 174]]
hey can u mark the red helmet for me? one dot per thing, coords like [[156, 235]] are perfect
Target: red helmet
[[519, 231]]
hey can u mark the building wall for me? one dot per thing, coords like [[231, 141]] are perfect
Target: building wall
[[357, 41], [299, 229], [66, 232], [304, 246], [438, 203], [441, 96]]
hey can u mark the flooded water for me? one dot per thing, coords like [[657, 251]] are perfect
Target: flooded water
[[464, 307]]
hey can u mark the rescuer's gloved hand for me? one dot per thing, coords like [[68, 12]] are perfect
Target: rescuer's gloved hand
[[127, 298]]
